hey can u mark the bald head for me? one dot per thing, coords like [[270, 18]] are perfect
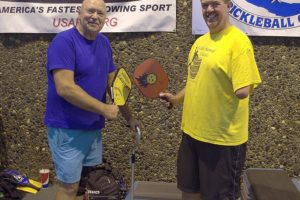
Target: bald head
[[87, 2], [92, 17]]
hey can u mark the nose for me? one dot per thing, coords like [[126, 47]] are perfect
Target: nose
[[209, 8], [94, 15]]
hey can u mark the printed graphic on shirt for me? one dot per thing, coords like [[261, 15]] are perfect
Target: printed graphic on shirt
[[195, 62], [194, 65]]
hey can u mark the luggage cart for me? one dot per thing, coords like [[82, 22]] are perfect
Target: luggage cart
[[146, 190]]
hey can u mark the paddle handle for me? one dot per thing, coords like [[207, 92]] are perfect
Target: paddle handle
[[138, 135], [112, 93]]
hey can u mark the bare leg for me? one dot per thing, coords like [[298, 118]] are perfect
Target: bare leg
[[67, 191], [191, 196], [79, 197]]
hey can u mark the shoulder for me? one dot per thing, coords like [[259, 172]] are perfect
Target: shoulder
[[63, 41], [201, 40], [203, 37], [103, 38], [66, 33], [64, 36], [240, 37], [238, 41]]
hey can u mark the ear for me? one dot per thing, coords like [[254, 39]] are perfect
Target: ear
[[80, 9], [228, 4]]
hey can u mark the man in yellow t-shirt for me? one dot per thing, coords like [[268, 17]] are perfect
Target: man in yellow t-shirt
[[222, 72]]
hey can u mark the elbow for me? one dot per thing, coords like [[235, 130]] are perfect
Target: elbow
[[64, 91], [242, 95], [60, 92]]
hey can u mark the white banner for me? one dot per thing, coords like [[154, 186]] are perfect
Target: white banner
[[49, 16], [258, 17]]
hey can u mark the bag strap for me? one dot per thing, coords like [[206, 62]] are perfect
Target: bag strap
[[104, 166]]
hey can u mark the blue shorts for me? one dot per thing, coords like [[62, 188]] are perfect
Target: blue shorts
[[72, 149]]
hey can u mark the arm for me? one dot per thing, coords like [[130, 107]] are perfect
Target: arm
[[71, 92], [179, 97], [173, 99], [243, 92]]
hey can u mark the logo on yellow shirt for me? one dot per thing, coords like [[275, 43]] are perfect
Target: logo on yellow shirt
[[194, 65]]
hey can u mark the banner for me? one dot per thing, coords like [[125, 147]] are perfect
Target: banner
[[52, 16], [257, 17]]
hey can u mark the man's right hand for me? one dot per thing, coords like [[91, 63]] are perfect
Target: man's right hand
[[167, 98], [171, 99], [111, 111]]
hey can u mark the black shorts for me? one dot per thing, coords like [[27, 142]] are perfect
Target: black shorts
[[213, 170]]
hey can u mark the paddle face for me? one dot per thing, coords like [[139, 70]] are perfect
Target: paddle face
[[121, 87], [150, 78]]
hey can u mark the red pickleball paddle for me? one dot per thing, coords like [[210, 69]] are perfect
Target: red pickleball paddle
[[150, 78]]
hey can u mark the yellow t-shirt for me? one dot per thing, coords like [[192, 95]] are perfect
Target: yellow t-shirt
[[218, 65]]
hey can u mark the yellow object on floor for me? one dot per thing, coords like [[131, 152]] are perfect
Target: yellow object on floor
[[27, 189], [36, 184]]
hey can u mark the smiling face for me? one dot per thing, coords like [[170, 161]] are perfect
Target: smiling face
[[151, 78], [92, 18], [216, 14]]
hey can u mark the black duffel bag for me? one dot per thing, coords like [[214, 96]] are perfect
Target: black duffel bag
[[103, 182]]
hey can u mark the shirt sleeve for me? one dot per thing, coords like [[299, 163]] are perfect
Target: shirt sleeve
[[111, 66], [61, 54], [244, 70]]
